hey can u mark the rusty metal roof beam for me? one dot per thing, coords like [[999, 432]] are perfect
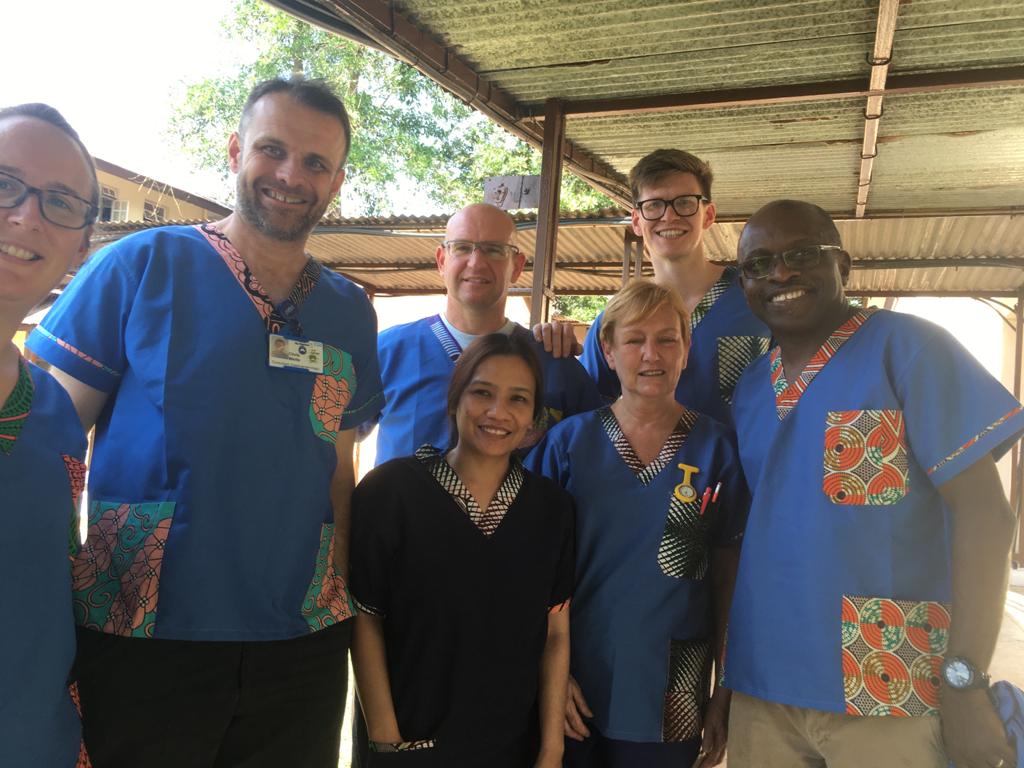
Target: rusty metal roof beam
[[881, 56], [393, 32], [787, 94]]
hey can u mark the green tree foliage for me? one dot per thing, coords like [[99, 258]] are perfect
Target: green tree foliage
[[582, 309], [406, 128]]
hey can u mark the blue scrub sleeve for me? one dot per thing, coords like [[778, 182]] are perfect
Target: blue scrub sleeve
[[83, 334], [593, 360], [955, 412], [547, 458]]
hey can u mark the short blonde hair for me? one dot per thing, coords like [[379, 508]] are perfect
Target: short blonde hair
[[636, 302]]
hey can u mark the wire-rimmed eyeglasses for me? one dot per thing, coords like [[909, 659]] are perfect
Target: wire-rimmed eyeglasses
[[463, 249]]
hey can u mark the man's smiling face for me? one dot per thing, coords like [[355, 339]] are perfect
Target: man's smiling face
[[289, 166], [476, 282], [673, 237], [793, 301]]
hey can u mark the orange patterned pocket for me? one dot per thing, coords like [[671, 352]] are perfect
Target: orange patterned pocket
[[865, 457], [892, 651]]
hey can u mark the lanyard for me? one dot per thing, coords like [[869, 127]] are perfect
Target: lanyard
[[289, 312]]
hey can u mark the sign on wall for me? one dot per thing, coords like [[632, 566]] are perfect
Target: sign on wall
[[512, 192]]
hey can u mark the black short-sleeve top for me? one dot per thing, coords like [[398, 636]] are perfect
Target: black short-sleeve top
[[464, 595]]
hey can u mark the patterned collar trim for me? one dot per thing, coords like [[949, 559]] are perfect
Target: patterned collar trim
[[15, 411], [304, 285], [645, 474], [788, 395], [451, 346], [487, 522], [715, 292]]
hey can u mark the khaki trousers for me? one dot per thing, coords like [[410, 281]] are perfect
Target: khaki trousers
[[763, 734]]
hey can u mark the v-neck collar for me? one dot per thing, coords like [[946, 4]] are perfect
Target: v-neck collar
[[714, 293], [787, 394], [304, 285], [16, 409], [448, 342], [486, 521], [619, 441]]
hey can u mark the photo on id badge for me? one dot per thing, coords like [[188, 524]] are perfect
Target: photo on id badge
[[300, 354]]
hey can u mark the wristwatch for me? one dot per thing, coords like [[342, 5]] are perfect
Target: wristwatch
[[960, 675]]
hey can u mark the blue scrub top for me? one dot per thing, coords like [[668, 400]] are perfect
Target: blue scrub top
[[416, 362], [41, 473], [725, 338], [842, 600], [642, 631], [210, 515]]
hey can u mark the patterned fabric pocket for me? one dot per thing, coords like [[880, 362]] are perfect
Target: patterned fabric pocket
[[892, 651], [685, 545], [327, 599], [332, 391], [865, 457], [688, 689], [734, 354], [116, 575]]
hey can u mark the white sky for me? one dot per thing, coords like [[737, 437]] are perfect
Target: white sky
[[112, 68]]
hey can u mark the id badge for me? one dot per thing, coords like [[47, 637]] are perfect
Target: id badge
[[297, 354]]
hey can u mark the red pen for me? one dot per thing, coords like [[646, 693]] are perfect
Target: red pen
[[704, 500], [714, 496]]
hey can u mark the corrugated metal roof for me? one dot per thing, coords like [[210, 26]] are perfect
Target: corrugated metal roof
[[935, 35], [581, 49], [390, 254], [939, 151]]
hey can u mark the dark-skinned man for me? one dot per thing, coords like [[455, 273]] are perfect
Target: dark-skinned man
[[875, 559]]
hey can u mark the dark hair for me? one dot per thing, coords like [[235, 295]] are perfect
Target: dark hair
[[492, 345], [315, 94], [661, 162], [48, 114]]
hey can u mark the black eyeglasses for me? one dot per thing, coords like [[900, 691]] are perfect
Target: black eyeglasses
[[463, 249], [61, 208], [684, 205], [760, 264]]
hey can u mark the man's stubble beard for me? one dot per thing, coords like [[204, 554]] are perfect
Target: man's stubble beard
[[253, 213]]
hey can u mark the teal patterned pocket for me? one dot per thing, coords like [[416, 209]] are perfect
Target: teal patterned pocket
[[116, 573], [327, 599]]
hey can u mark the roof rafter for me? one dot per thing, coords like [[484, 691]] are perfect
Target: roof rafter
[[788, 94], [881, 56]]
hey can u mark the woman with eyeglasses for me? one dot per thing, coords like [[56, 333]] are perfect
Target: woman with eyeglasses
[[661, 504], [462, 567], [48, 194]]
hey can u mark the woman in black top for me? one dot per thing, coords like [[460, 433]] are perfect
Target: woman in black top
[[462, 567]]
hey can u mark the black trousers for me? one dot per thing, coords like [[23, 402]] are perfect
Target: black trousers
[[186, 704]]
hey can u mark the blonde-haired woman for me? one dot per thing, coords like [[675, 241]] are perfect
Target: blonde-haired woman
[[661, 505]]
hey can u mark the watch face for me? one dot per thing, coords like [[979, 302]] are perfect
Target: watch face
[[958, 673]]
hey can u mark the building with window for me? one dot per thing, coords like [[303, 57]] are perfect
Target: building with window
[[129, 196]]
